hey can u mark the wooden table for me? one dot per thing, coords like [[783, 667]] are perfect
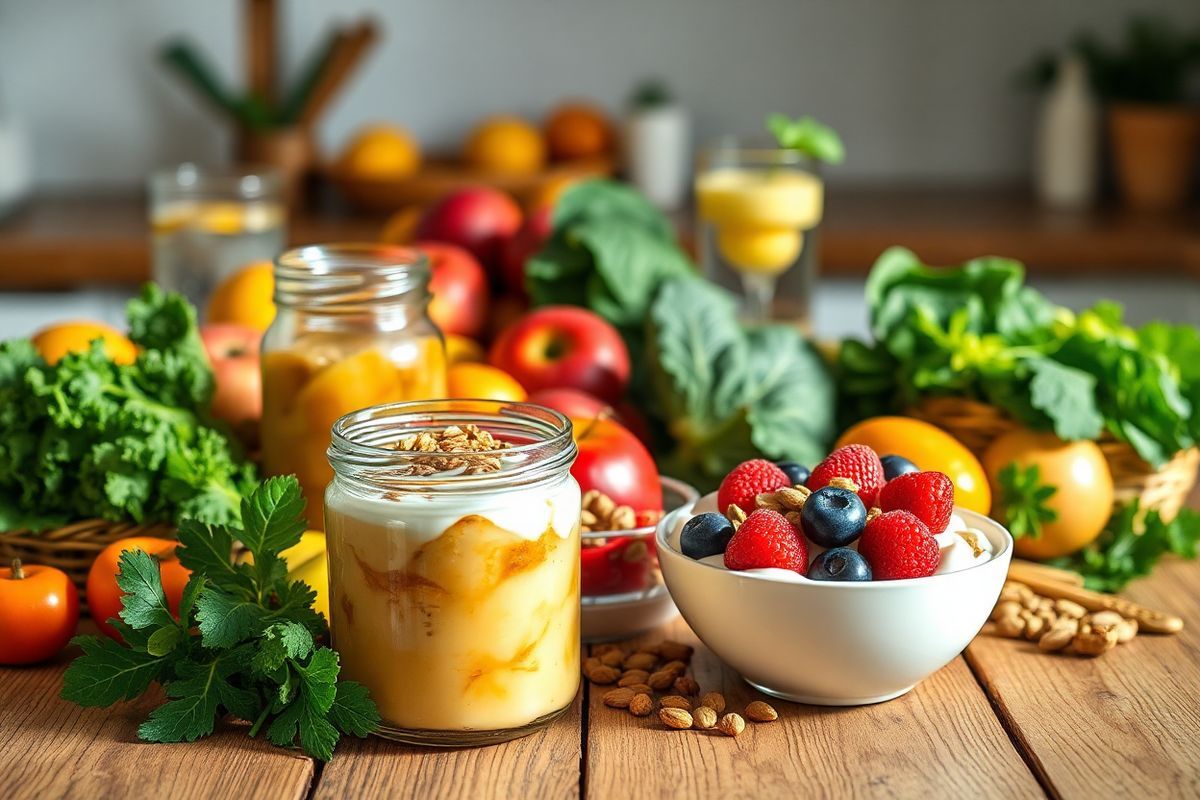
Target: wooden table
[[1004, 720]]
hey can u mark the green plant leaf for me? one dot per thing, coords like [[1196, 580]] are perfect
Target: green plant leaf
[[108, 673], [808, 136], [143, 603], [1022, 502]]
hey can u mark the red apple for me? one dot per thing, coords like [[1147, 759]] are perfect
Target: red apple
[[614, 461], [459, 286], [233, 350], [478, 219], [564, 346], [504, 311], [524, 245]]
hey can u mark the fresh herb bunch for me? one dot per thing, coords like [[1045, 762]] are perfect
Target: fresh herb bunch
[[977, 331], [808, 136], [727, 393], [88, 437], [244, 643], [1131, 544], [1022, 500]]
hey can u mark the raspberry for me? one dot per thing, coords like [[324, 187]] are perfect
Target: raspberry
[[857, 462], [766, 539], [748, 480], [898, 545], [928, 495]]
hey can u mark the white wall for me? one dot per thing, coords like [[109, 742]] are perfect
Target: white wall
[[921, 89]]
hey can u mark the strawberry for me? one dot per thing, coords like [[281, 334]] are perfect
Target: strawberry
[[748, 480], [928, 495], [857, 462], [767, 539], [898, 545]]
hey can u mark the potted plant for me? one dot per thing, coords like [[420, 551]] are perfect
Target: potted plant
[[1153, 122]]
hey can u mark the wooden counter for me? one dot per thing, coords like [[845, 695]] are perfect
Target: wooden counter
[[58, 242]]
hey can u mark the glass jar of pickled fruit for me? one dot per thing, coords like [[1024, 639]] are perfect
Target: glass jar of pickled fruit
[[453, 541], [350, 331]]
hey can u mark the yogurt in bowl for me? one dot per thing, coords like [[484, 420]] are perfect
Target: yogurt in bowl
[[838, 643]]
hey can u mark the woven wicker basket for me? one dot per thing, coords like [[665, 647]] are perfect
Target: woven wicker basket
[[72, 548], [977, 424]]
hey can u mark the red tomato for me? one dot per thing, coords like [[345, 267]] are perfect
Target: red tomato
[[613, 460], [39, 609], [103, 594]]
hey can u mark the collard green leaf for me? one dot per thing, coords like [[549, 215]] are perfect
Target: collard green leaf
[[1067, 396]]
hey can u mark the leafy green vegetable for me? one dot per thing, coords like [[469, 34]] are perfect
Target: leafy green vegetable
[[245, 642], [610, 251], [1022, 501], [807, 136], [726, 393], [977, 331], [87, 437], [1131, 544]]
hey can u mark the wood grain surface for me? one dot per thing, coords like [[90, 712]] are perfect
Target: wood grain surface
[[544, 764], [942, 739], [50, 748], [1125, 724]]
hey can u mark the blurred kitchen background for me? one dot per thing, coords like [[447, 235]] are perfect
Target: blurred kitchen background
[[959, 139]]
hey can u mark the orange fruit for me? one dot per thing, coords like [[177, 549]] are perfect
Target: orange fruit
[[383, 152], [463, 350], [480, 381], [103, 594], [245, 297], [505, 144], [578, 130], [930, 448], [55, 341], [1083, 485], [401, 227]]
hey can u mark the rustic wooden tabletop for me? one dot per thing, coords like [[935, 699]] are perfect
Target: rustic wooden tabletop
[[1003, 720]]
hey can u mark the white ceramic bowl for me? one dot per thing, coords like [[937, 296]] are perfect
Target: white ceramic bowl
[[828, 643]]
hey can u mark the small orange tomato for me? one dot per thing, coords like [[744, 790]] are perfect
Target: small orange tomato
[[39, 609], [103, 594]]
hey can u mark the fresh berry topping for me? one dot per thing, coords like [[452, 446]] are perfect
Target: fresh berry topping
[[839, 564], [895, 466], [928, 495], [797, 473], [856, 462], [767, 539], [747, 481], [898, 545], [833, 517], [705, 535]]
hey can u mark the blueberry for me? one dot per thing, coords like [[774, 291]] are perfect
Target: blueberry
[[705, 535], [833, 517], [839, 564], [895, 466], [797, 473]]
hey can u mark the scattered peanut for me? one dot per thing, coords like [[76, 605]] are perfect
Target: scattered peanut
[[1069, 608], [613, 658], [1033, 628], [686, 684], [632, 676], [1106, 618], [731, 724], [1011, 627], [761, 712], [676, 667], [661, 680], [641, 661], [603, 675], [676, 718], [1058, 625]]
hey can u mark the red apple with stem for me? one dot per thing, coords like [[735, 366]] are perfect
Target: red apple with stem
[[564, 346], [459, 287]]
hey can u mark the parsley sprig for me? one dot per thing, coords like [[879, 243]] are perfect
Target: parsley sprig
[[245, 641]]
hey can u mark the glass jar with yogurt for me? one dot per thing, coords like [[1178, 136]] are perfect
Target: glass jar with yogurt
[[453, 543]]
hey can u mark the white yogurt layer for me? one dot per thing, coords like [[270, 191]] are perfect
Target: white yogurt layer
[[961, 546], [524, 512]]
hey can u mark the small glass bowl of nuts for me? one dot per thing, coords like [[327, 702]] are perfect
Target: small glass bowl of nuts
[[622, 588]]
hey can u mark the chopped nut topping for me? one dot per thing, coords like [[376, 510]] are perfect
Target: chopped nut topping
[[601, 513], [464, 446], [785, 500]]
